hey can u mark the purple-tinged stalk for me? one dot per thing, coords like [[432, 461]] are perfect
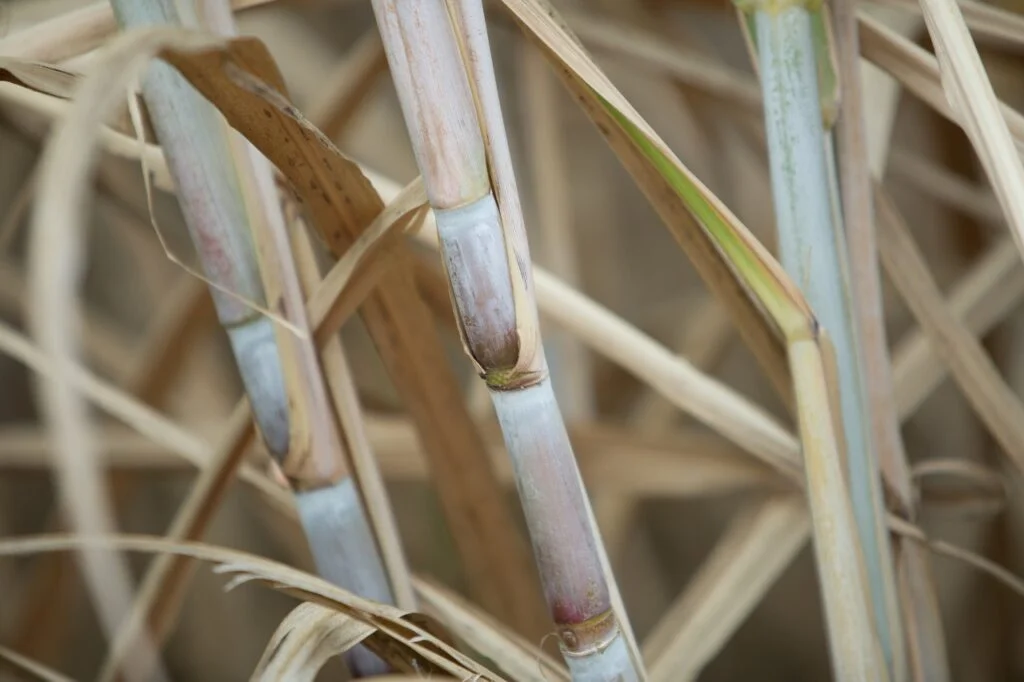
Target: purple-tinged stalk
[[199, 157], [485, 256], [227, 191]]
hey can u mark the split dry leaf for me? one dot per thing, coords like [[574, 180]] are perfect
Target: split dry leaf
[[519, 659], [401, 638], [305, 640], [357, 272]]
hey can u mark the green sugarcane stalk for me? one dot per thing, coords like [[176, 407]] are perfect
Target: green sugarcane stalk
[[212, 191], [794, 70], [486, 259]]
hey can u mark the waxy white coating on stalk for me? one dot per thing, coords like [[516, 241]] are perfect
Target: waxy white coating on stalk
[[564, 538], [345, 553], [809, 246], [259, 365], [611, 664], [474, 255], [333, 517], [192, 135], [200, 159]]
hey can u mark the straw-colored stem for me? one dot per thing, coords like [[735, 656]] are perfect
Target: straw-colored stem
[[854, 649], [981, 298], [810, 250]]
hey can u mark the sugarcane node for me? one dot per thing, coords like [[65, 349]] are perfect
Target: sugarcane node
[[588, 636], [304, 472], [511, 379]]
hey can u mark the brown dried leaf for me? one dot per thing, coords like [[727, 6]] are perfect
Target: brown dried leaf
[[305, 640]]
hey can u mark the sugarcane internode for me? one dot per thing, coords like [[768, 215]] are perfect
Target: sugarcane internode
[[475, 257]]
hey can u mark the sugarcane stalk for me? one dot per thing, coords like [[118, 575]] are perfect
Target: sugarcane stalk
[[486, 260], [924, 657], [226, 190], [210, 196], [810, 245]]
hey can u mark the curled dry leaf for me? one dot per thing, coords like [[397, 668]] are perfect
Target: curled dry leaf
[[405, 640], [514, 655], [305, 640]]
